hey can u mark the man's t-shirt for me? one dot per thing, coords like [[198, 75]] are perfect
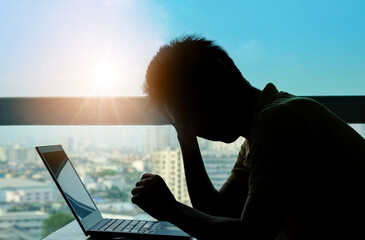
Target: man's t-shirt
[[297, 146]]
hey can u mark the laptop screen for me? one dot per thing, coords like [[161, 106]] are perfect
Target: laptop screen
[[70, 184]]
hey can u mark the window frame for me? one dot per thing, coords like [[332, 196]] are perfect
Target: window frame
[[126, 110]]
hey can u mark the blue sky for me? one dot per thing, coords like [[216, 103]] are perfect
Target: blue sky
[[101, 47]]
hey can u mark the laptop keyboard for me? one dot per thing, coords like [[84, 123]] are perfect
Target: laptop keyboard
[[132, 226]]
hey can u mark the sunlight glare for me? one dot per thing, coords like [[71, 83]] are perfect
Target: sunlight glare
[[105, 76]]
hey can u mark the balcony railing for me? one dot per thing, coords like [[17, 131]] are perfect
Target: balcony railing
[[126, 110]]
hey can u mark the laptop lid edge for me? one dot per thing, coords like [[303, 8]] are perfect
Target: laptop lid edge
[[60, 148]]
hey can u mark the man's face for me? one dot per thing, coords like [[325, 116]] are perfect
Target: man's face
[[206, 102], [210, 117], [214, 119]]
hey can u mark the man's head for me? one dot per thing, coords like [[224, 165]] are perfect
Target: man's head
[[198, 82]]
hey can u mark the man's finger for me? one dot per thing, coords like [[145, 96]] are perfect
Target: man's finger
[[142, 182], [135, 199], [136, 190], [147, 175]]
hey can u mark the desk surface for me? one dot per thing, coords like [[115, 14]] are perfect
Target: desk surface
[[71, 231]]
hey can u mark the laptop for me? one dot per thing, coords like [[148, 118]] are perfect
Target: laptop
[[85, 211]]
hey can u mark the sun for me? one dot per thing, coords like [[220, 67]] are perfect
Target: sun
[[105, 76]]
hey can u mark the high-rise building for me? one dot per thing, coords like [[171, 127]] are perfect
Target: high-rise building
[[27, 191], [218, 165], [22, 225], [25, 155], [221, 146], [159, 138], [166, 161], [3, 156], [219, 158], [70, 144], [169, 165]]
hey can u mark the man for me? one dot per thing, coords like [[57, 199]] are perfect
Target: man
[[299, 175]]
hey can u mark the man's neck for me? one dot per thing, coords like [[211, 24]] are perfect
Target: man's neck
[[249, 103]]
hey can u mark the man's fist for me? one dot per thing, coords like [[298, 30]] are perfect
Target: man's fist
[[153, 196]]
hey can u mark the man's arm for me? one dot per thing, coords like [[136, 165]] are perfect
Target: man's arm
[[228, 201], [262, 216], [261, 219]]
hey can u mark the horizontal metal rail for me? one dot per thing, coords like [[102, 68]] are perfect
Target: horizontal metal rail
[[126, 110]]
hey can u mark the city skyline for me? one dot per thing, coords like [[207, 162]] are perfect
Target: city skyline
[[114, 136], [27, 192]]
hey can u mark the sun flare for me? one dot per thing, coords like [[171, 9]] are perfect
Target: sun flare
[[105, 76]]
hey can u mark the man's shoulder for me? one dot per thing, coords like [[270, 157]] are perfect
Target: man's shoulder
[[283, 109], [283, 120], [290, 109]]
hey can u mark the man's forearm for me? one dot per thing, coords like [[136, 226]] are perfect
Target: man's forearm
[[204, 226], [228, 201], [200, 187]]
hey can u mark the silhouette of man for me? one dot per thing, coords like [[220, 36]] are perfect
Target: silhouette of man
[[299, 174]]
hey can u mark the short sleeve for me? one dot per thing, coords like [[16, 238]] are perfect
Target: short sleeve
[[278, 152], [240, 172]]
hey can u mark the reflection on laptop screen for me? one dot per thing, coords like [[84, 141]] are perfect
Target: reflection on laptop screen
[[70, 183]]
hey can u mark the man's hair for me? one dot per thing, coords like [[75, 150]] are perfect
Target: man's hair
[[177, 66]]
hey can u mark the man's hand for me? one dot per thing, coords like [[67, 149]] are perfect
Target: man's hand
[[181, 126], [153, 196], [185, 132]]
